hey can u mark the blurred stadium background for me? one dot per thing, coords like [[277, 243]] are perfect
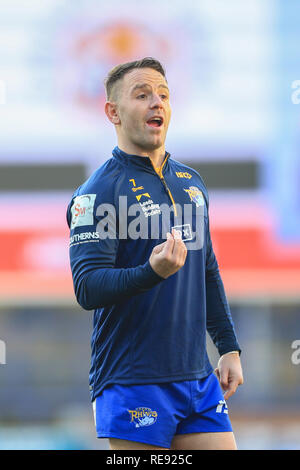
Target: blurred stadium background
[[231, 67]]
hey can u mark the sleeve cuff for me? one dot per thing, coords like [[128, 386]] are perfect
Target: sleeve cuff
[[149, 277], [231, 351]]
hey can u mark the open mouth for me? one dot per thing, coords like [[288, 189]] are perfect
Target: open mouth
[[155, 122]]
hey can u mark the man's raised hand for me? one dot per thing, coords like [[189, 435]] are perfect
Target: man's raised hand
[[168, 257]]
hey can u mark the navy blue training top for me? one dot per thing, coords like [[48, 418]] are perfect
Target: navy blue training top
[[146, 329]]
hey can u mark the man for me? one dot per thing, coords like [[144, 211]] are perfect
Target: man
[[153, 282]]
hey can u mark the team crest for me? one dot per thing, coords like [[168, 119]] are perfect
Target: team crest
[[142, 416], [196, 195]]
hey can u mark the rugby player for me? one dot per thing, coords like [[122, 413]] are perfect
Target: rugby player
[[154, 297]]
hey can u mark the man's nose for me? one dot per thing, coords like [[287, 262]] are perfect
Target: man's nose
[[156, 101]]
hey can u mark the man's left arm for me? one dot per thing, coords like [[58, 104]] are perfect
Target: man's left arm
[[220, 326]]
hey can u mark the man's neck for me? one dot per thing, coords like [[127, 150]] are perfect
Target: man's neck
[[156, 156]]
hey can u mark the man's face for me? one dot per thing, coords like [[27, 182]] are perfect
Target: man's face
[[144, 109]]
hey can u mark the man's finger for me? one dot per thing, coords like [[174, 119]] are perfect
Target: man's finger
[[224, 380], [169, 244], [176, 233], [184, 252], [230, 391], [179, 249], [229, 388], [158, 248]]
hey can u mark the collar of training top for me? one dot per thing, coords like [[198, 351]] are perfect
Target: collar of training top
[[144, 163]]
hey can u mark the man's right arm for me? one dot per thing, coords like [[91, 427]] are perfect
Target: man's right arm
[[97, 282], [98, 287]]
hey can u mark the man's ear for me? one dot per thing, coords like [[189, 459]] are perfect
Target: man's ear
[[111, 111]]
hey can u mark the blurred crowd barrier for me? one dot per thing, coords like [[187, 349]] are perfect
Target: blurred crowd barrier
[[44, 397]]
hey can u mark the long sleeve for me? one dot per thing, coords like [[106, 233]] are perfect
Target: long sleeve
[[219, 321], [97, 282], [106, 286]]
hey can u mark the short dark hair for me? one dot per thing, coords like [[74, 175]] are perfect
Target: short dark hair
[[120, 70]]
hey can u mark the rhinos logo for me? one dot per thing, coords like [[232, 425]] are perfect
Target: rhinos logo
[[196, 195], [142, 416]]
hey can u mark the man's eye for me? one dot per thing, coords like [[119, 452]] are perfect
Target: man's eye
[[142, 95]]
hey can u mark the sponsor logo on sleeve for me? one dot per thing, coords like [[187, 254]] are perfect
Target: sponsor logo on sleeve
[[85, 237], [82, 210]]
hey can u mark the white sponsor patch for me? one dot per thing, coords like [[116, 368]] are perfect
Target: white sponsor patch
[[82, 210]]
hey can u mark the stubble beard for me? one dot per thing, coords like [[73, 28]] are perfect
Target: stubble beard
[[148, 143], [140, 139]]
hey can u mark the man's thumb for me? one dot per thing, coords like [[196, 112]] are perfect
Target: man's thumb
[[158, 248], [163, 246]]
